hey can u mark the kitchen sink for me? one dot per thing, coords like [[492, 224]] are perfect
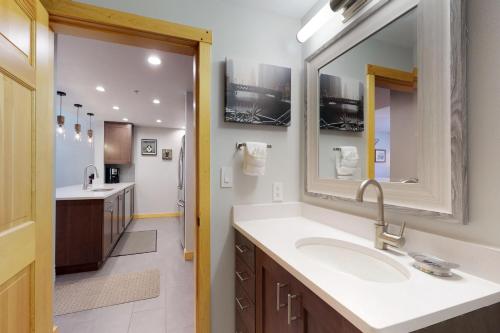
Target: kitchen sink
[[101, 189], [357, 260]]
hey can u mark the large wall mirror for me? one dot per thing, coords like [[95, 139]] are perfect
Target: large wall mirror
[[386, 101]]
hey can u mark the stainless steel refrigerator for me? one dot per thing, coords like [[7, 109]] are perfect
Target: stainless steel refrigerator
[[181, 192]]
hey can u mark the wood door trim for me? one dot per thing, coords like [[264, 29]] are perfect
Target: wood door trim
[[133, 29]]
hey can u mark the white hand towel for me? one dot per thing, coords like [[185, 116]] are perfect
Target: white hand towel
[[347, 162], [254, 159]]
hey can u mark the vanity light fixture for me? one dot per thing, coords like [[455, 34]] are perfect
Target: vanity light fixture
[[158, 121], [156, 101], [338, 10], [90, 132], [116, 107], [154, 60], [324, 15], [78, 126], [100, 89], [60, 117]]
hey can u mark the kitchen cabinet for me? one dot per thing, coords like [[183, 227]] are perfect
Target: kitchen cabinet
[[87, 230], [118, 142], [128, 205]]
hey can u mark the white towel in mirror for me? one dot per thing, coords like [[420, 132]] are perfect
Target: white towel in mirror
[[347, 162], [254, 159]]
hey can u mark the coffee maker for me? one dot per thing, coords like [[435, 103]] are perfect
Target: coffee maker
[[112, 175]]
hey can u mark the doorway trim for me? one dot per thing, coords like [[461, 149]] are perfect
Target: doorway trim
[[77, 19]]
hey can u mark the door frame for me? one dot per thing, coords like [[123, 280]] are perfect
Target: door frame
[[394, 79], [77, 19]]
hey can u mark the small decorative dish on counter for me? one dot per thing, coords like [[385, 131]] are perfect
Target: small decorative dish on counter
[[432, 265]]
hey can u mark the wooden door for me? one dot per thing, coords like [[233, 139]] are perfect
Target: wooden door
[[272, 287], [26, 154]]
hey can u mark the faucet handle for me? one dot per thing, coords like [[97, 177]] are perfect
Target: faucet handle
[[402, 230]]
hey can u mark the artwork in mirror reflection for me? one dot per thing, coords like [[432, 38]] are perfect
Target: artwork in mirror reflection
[[368, 108]]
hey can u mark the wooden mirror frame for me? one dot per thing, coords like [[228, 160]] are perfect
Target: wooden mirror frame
[[441, 193]]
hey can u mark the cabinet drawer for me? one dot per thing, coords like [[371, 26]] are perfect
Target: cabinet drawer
[[245, 277], [245, 250], [245, 308]]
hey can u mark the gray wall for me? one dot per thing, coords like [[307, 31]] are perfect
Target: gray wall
[[245, 33], [484, 137], [71, 156]]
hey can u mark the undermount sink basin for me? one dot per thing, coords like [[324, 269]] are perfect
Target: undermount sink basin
[[360, 261], [101, 189]]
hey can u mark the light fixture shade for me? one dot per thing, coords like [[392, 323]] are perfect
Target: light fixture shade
[[60, 118]]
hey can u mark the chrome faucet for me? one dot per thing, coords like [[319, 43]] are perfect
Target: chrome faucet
[[382, 236], [85, 175]]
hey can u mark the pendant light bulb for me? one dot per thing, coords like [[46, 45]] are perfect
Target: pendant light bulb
[[90, 131], [78, 126], [60, 118]]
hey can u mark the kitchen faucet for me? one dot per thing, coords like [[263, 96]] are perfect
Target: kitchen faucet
[[86, 177], [382, 236]]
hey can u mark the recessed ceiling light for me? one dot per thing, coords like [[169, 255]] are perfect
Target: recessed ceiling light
[[158, 121], [156, 101], [116, 107], [154, 60], [100, 88], [125, 119]]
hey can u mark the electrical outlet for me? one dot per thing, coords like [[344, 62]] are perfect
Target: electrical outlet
[[277, 192]]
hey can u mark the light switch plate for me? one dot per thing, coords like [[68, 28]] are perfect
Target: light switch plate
[[226, 177], [277, 192]]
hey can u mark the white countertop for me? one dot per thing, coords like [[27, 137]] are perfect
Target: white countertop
[[418, 302], [76, 192]]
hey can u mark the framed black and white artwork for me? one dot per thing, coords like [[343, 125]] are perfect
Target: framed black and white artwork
[[341, 104], [148, 147], [257, 94], [166, 154], [380, 155]]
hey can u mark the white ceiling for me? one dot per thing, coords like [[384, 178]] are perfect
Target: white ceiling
[[82, 64], [290, 8]]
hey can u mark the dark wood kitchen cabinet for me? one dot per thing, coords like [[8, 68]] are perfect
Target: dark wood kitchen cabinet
[[88, 230], [118, 142]]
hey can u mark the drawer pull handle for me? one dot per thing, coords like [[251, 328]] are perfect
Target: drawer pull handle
[[241, 277], [241, 306], [279, 305], [290, 317], [241, 248]]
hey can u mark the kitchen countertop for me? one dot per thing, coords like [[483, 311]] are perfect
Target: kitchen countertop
[[76, 192], [406, 306]]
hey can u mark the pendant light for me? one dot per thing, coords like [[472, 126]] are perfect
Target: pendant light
[[60, 118], [78, 127], [90, 132]]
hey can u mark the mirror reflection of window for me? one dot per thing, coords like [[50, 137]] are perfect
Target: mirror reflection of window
[[368, 114]]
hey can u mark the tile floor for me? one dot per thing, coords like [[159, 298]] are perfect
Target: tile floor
[[171, 312]]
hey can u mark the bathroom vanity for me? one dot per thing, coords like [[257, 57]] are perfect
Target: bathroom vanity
[[301, 268]]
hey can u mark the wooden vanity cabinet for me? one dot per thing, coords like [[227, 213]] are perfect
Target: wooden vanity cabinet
[[118, 142], [262, 289]]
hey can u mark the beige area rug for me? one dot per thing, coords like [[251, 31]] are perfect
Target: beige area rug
[[135, 242], [104, 291]]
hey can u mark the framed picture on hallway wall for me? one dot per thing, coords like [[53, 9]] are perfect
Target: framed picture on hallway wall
[[148, 147], [257, 94]]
